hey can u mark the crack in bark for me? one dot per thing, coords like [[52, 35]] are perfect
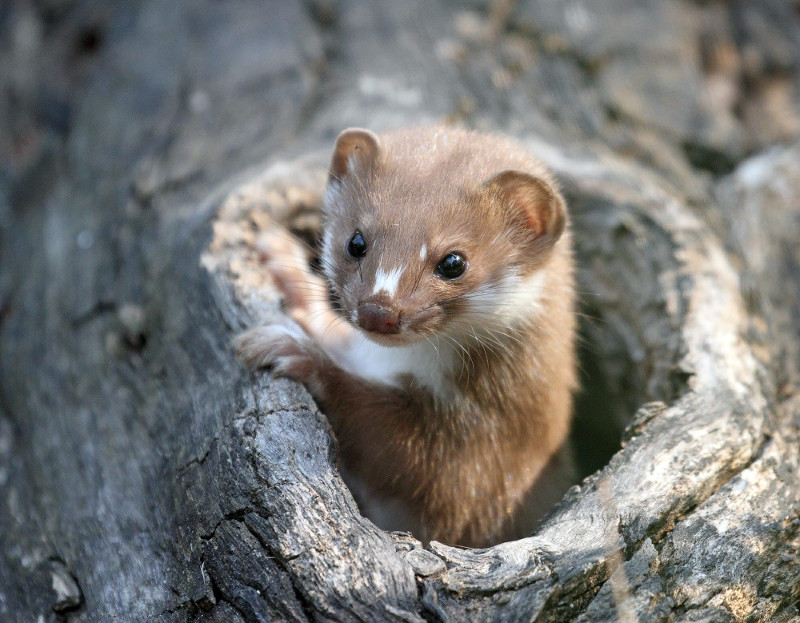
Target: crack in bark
[[281, 561], [198, 460]]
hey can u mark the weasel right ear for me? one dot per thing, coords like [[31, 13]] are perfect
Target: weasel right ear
[[534, 200], [355, 148]]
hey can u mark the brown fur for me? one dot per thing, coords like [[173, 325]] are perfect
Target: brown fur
[[488, 461]]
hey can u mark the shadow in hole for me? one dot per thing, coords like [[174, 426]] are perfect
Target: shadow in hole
[[600, 407]]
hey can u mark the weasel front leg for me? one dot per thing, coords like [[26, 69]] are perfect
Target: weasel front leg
[[305, 293], [303, 351]]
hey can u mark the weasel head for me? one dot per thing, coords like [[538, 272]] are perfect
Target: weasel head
[[437, 233]]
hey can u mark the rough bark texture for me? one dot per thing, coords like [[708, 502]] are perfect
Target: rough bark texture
[[145, 476]]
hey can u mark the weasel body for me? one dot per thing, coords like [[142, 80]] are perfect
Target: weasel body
[[449, 382]]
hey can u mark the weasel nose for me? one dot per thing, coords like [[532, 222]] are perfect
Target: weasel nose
[[379, 319]]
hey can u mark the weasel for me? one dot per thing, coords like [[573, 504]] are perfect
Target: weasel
[[448, 374]]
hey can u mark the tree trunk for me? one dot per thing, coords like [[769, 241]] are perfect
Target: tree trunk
[[146, 476]]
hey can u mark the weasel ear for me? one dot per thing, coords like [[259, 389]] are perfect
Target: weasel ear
[[535, 200], [355, 148]]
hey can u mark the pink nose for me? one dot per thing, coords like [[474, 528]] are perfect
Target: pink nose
[[378, 319]]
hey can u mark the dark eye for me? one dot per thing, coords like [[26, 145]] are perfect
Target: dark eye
[[451, 266], [356, 247]]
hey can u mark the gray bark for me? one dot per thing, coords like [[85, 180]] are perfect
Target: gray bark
[[146, 476]]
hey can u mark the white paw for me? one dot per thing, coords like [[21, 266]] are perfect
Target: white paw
[[283, 347]]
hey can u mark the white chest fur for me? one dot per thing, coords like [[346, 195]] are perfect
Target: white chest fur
[[430, 363]]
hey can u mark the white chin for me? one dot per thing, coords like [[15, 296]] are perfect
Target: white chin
[[391, 339]]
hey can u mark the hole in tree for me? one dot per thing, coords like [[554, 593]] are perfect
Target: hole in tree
[[622, 305]]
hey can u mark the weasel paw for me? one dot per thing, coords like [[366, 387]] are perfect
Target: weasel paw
[[285, 349]]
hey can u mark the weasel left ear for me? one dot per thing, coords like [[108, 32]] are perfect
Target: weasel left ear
[[539, 204], [355, 147]]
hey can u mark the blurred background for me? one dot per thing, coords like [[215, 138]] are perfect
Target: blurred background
[[684, 85]]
